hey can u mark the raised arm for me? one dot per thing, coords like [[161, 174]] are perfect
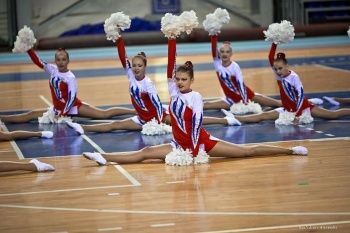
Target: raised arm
[[36, 60], [171, 67], [122, 53], [272, 53], [214, 46]]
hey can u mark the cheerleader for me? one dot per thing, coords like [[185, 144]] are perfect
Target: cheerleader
[[239, 98], [296, 108], [21, 134], [145, 99], [63, 86], [191, 142], [231, 80], [33, 165]]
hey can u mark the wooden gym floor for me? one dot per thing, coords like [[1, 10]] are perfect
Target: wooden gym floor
[[265, 194]]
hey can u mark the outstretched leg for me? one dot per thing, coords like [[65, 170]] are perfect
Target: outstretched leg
[[127, 124], [151, 152], [215, 104], [20, 134], [266, 101], [328, 114], [230, 150], [23, 117], [97, 113], [254, 118], [34, 165]]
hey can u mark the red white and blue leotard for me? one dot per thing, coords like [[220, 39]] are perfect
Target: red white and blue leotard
[[186, 112], [230, 78], [63, 87], [143, 93], [291, 89]]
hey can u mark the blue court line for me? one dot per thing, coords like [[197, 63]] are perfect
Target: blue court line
[[182, 49], [342, 62]]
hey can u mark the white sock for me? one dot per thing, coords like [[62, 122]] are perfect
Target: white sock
[[330, 100], [299, 150], [97, 157], [77, 127], [42, 166], [46, 134]]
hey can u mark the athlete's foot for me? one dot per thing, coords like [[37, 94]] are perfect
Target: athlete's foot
[[41, 167], [299, 150], [46, 134], [331, 100], [77, 127], [316, 101], [97, 157], [232, 121]]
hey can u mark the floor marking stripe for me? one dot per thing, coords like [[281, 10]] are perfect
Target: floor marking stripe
[[127, 175], [110, 229], [163, 225], [175, 182], [45, 100], [66, 190], [181, 212], [308, 226]]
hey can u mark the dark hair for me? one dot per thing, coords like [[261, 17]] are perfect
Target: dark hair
[[281, 57], [142, 55], [62, 50], [186, 68]]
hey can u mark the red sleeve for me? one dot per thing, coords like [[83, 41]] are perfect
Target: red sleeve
[[214, 42], [272, 53], [121, 51], [35, 58], [171, 57]]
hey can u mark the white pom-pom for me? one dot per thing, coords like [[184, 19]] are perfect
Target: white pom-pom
[[222, 15], [116, 22], [49, 118], [179, 157], [280, 33], [349, 32], [171, 25], [286, 118], [189, 20], [153, 128], [241, 108], [214, 21], [25, 40], [201, 158]]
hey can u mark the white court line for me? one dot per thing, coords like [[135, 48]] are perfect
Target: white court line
[[163, 225], [175, 182], [67, 190], [181, 212], [110, 229], [127, 175], [92, 143], [45, 100], [307, 226]]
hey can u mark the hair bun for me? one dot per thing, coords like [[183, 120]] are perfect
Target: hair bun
[[227, 42], [61, 49], [189, 64], [281, 55], [142, 54]]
